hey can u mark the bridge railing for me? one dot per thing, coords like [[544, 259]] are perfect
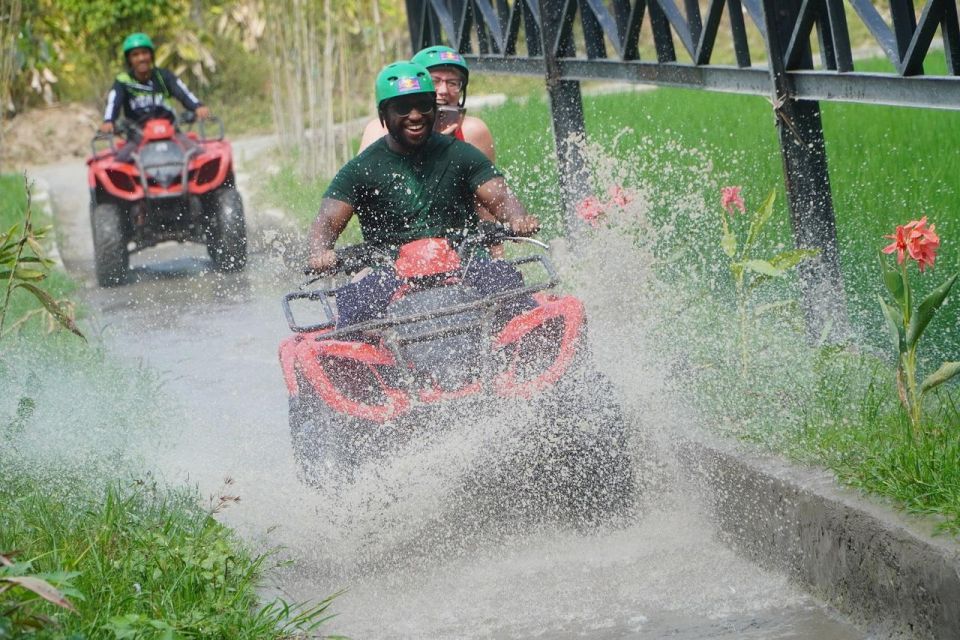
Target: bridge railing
[[541, 37]]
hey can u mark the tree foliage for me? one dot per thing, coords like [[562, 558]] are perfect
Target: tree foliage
[[70, 49], [324, 58]]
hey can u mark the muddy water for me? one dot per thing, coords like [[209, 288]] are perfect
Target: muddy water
[[400, 540]]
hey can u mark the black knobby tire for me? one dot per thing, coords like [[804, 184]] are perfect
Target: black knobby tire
[[111, 258], [226, 230], [321, 438], [592, 465]]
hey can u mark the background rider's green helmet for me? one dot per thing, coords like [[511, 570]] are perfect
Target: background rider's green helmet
[[136, 41], [440, 56], [402, 78]]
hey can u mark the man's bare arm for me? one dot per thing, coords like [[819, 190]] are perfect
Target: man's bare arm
[[326, 228], [495, 196], [476, 132]]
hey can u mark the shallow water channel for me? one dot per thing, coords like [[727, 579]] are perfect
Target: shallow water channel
[[411, 566]]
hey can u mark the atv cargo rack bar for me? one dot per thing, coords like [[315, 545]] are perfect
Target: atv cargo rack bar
[[323, 295]]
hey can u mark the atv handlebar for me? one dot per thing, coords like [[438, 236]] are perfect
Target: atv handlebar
[[100, 136], [493, 233], [201, 125], [350, 260], [353, 258]]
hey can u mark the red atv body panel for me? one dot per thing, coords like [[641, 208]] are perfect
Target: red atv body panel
[[208, 169], [365, 380]]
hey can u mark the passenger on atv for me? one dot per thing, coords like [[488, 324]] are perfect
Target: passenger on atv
[[143, 92], [411, 184]]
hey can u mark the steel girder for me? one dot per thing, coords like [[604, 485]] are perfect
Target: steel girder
[[595, 39]]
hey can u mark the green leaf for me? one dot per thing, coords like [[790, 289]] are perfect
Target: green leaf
[[895, 323], [787, 260], [29, 274], [773, 306], [893, 279], [927, 308], [946, 371], [729, 244], [52, 307], [42, 588], [760, 218], [736, 268], [763, 267]]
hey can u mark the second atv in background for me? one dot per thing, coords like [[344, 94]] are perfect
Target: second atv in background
[[173, 187]]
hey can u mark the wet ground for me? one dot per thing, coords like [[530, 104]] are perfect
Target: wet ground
[[411, 567]]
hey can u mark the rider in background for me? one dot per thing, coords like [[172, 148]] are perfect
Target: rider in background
[[409, 184], [144, 91], [450, 76]]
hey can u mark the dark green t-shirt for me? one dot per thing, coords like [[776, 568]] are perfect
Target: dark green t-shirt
[[401, 198]]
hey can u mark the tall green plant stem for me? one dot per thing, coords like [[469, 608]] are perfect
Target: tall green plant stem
[[16, 261], [908, 361], [744, 323]]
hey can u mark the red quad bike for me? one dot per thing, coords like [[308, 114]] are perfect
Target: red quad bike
[[355, 389], [174, 187]]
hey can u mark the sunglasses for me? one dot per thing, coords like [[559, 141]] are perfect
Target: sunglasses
[[404, 107]]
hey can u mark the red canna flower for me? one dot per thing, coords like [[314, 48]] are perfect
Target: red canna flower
[[923, 242], [730, 199], [917, 240], [590, 211], [619, 196], [899, 243]]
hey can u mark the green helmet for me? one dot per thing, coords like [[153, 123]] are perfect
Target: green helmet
[[402, 78], [440, 56], [136, 41]]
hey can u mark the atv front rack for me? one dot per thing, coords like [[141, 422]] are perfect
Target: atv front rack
[[323, 296]]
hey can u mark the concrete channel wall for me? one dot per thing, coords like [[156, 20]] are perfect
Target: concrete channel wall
[[884, 568]]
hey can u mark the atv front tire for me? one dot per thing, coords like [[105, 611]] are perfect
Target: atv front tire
[[320, 437], [226, 232], [594, 470], [111, 258]]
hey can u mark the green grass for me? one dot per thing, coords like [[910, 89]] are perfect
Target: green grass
[[887, 166], [136, 560]]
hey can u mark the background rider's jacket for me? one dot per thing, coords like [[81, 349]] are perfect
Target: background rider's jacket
[[141, 100]]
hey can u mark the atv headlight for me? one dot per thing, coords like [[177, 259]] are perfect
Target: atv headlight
[[163, 175], [162, 162]]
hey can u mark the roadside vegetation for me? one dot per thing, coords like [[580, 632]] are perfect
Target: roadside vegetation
[[128, 559], [819, 404], [91, 546]]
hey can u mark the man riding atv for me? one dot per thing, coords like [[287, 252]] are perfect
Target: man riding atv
[[143, 91], [413, 183], [439, 328]]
